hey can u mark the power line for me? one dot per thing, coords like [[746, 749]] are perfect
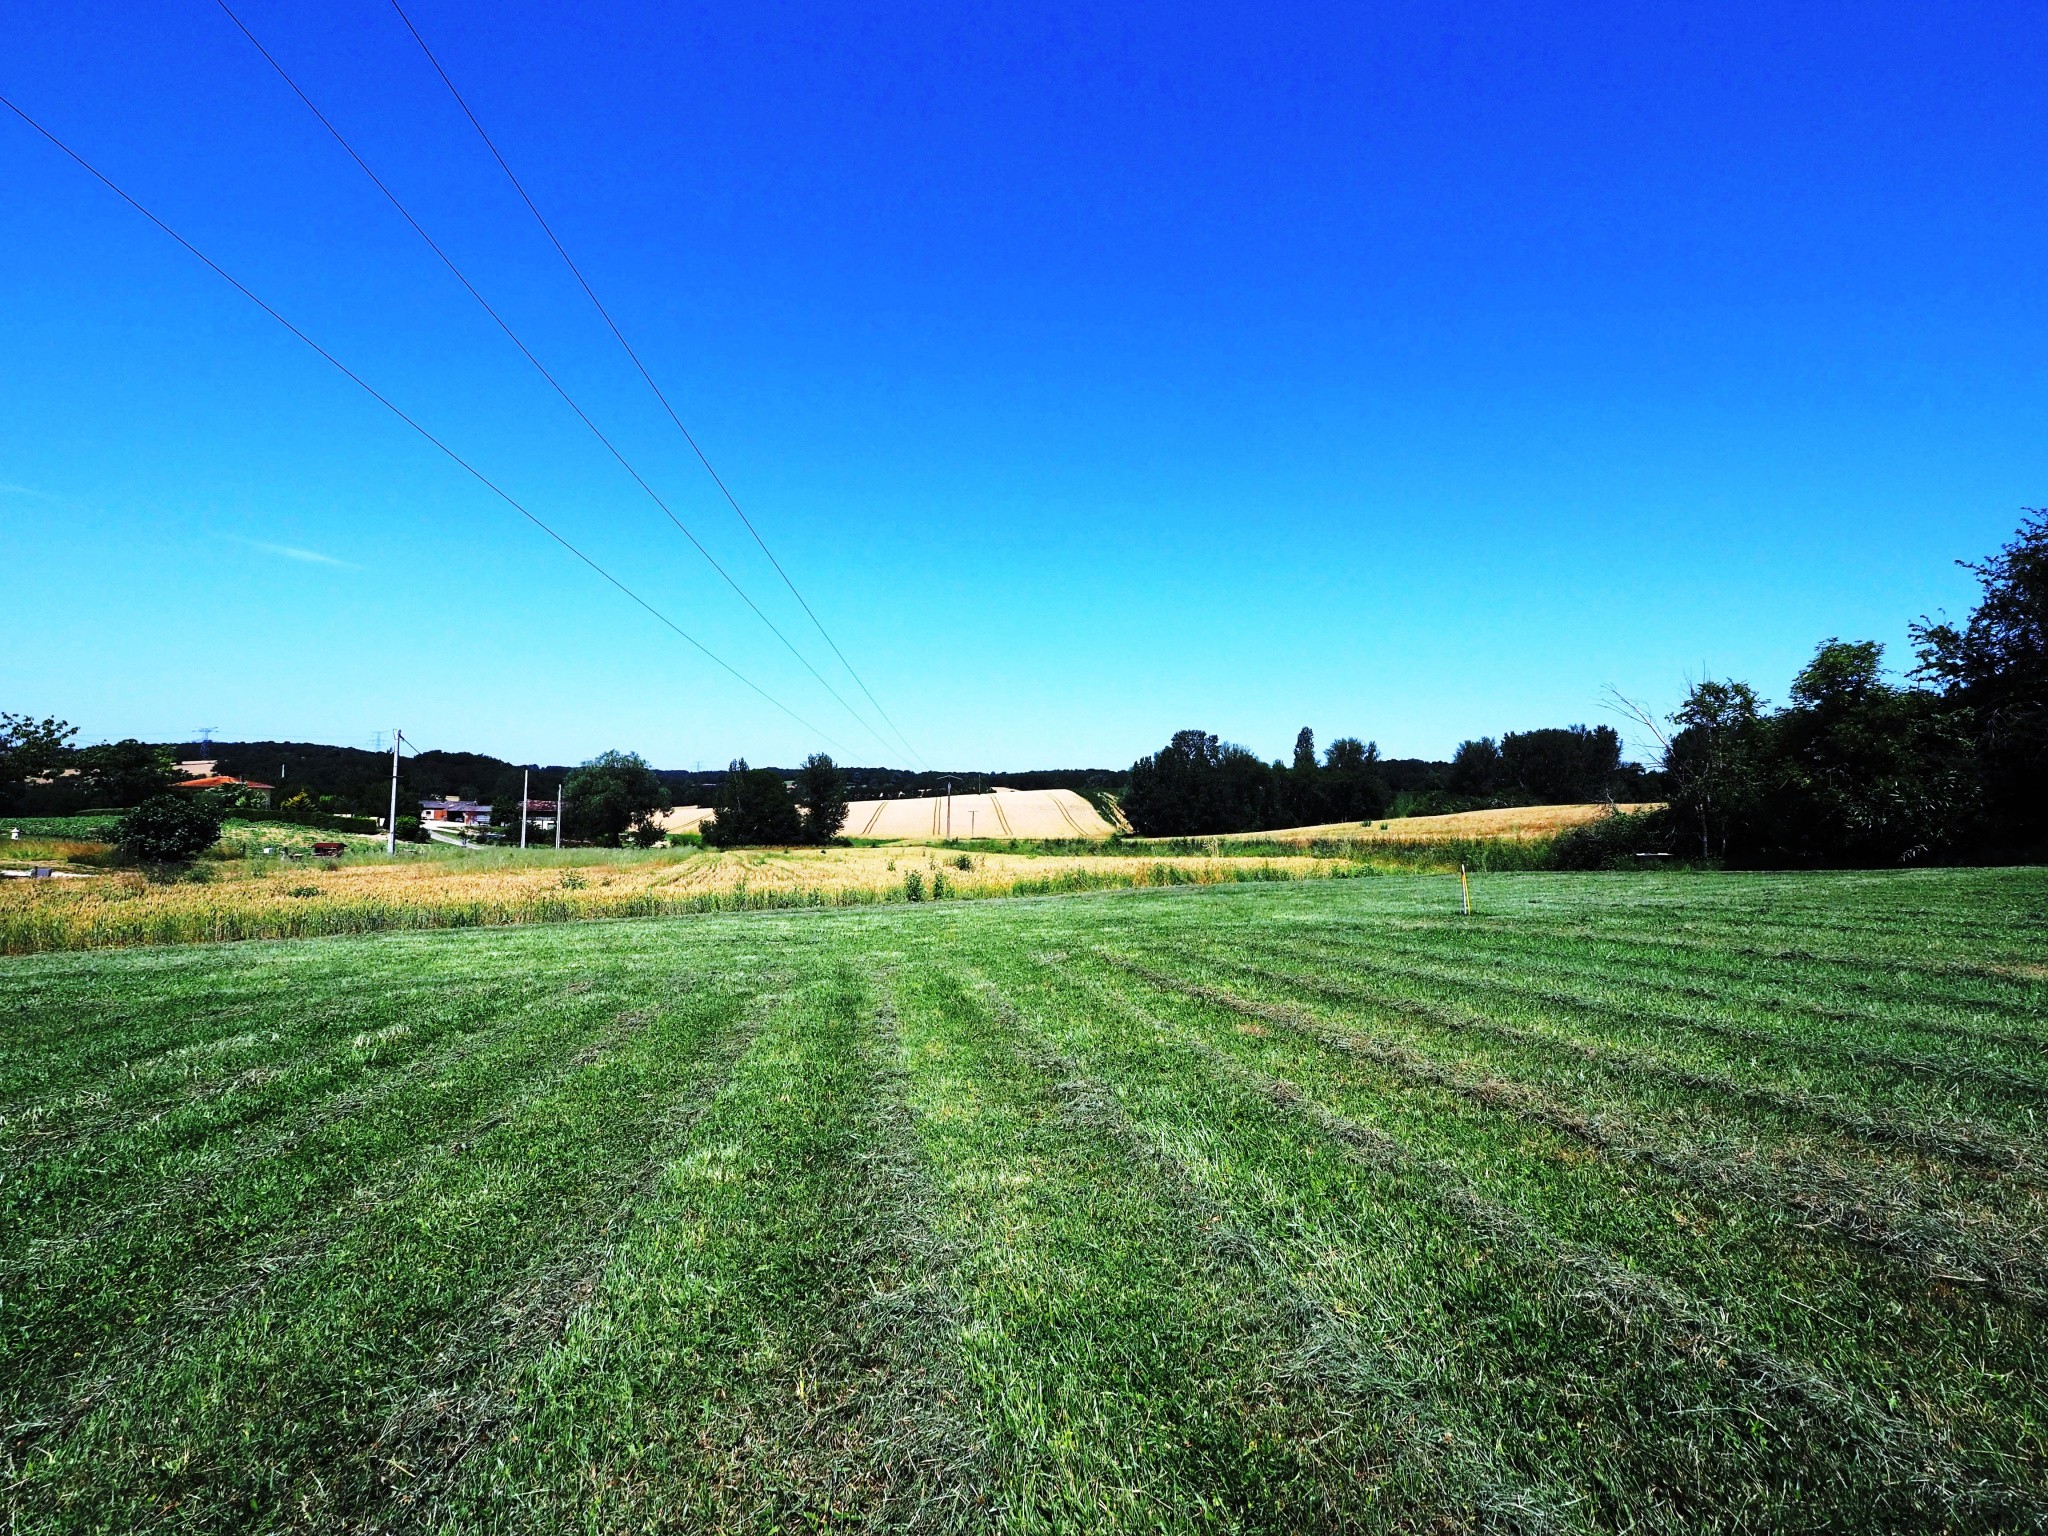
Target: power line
[[626, 346], [367, 388], [524, 351]]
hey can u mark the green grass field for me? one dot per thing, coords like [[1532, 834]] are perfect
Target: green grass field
[[1660, 1202]]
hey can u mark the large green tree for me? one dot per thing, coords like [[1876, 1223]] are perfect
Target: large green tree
[[1993, 673], [31, 749], [753, 807], [125, 772], [821, 791], [613, 797]]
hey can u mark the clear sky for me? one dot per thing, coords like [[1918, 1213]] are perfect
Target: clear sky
[[1411, 372]]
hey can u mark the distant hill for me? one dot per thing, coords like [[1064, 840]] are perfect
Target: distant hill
[[359, 780]]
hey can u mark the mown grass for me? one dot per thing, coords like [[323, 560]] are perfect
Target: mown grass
[[1630, 1203]]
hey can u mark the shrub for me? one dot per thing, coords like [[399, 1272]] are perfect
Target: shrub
[[913, 885], [169, 829], [1620, 841]]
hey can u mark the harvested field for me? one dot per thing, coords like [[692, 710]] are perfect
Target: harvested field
[[1007, 813], [1653, 1203], [257, 898], [1521, 823]]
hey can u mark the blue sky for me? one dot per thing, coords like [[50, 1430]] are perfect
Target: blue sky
[[1410, 372]]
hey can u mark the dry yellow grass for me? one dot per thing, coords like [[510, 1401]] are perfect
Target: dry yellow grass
[[256, 898], [1522, 823]]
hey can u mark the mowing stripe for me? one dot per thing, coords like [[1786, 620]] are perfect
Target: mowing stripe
[[2006, 1264], [1633, 1012], [1954, 1137], [1899, 1454]]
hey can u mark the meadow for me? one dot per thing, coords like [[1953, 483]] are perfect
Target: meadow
[[253, 891], [1647, 1202]]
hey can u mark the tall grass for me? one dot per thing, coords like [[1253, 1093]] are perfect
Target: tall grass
[[499, 888]]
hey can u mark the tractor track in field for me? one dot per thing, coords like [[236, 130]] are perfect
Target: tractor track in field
[[225, 1283], [1933, 1068], [1863, 963], [304, 1121], [465, 1396], [1954, 1138], [1323, 1345], [1904, 1451], [1326, 937], [2006, 1265]]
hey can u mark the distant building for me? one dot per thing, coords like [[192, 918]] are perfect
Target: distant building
[[454, 811], [540, 815], [197, 767]]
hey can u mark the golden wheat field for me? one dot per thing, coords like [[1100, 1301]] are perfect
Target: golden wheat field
[[255, 898]]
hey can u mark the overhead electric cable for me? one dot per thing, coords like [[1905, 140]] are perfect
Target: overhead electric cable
[[540, 368], [626, 346], [369, 389]]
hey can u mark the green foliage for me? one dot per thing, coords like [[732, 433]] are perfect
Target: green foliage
[[753, 808], [124, 773], [170, 829], [1566, 765], [1854, 770], [1621, 841], [821, 792], [613, 797], [913, 885], [31, 748], [1197, 784], [1993, 676]]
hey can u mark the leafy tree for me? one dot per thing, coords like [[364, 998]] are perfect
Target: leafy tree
[[1717, 762], [1354, 788], [125, 772], [170, 828], [612, 796], [31, 749], [1301, 791], [821, 791], [1562, 766], [1198, 786], [1993, 673], [753, 808], [1477, 770]]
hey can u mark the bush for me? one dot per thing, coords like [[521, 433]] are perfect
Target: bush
[[1620, 841], [169, 829], [913, 885]]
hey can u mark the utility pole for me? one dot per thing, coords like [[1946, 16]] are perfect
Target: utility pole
[[524, 775], [561, 812], [391, 827], [949, 808]]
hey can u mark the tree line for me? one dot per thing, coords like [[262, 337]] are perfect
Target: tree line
[[1855, 768], [1197, 785]]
